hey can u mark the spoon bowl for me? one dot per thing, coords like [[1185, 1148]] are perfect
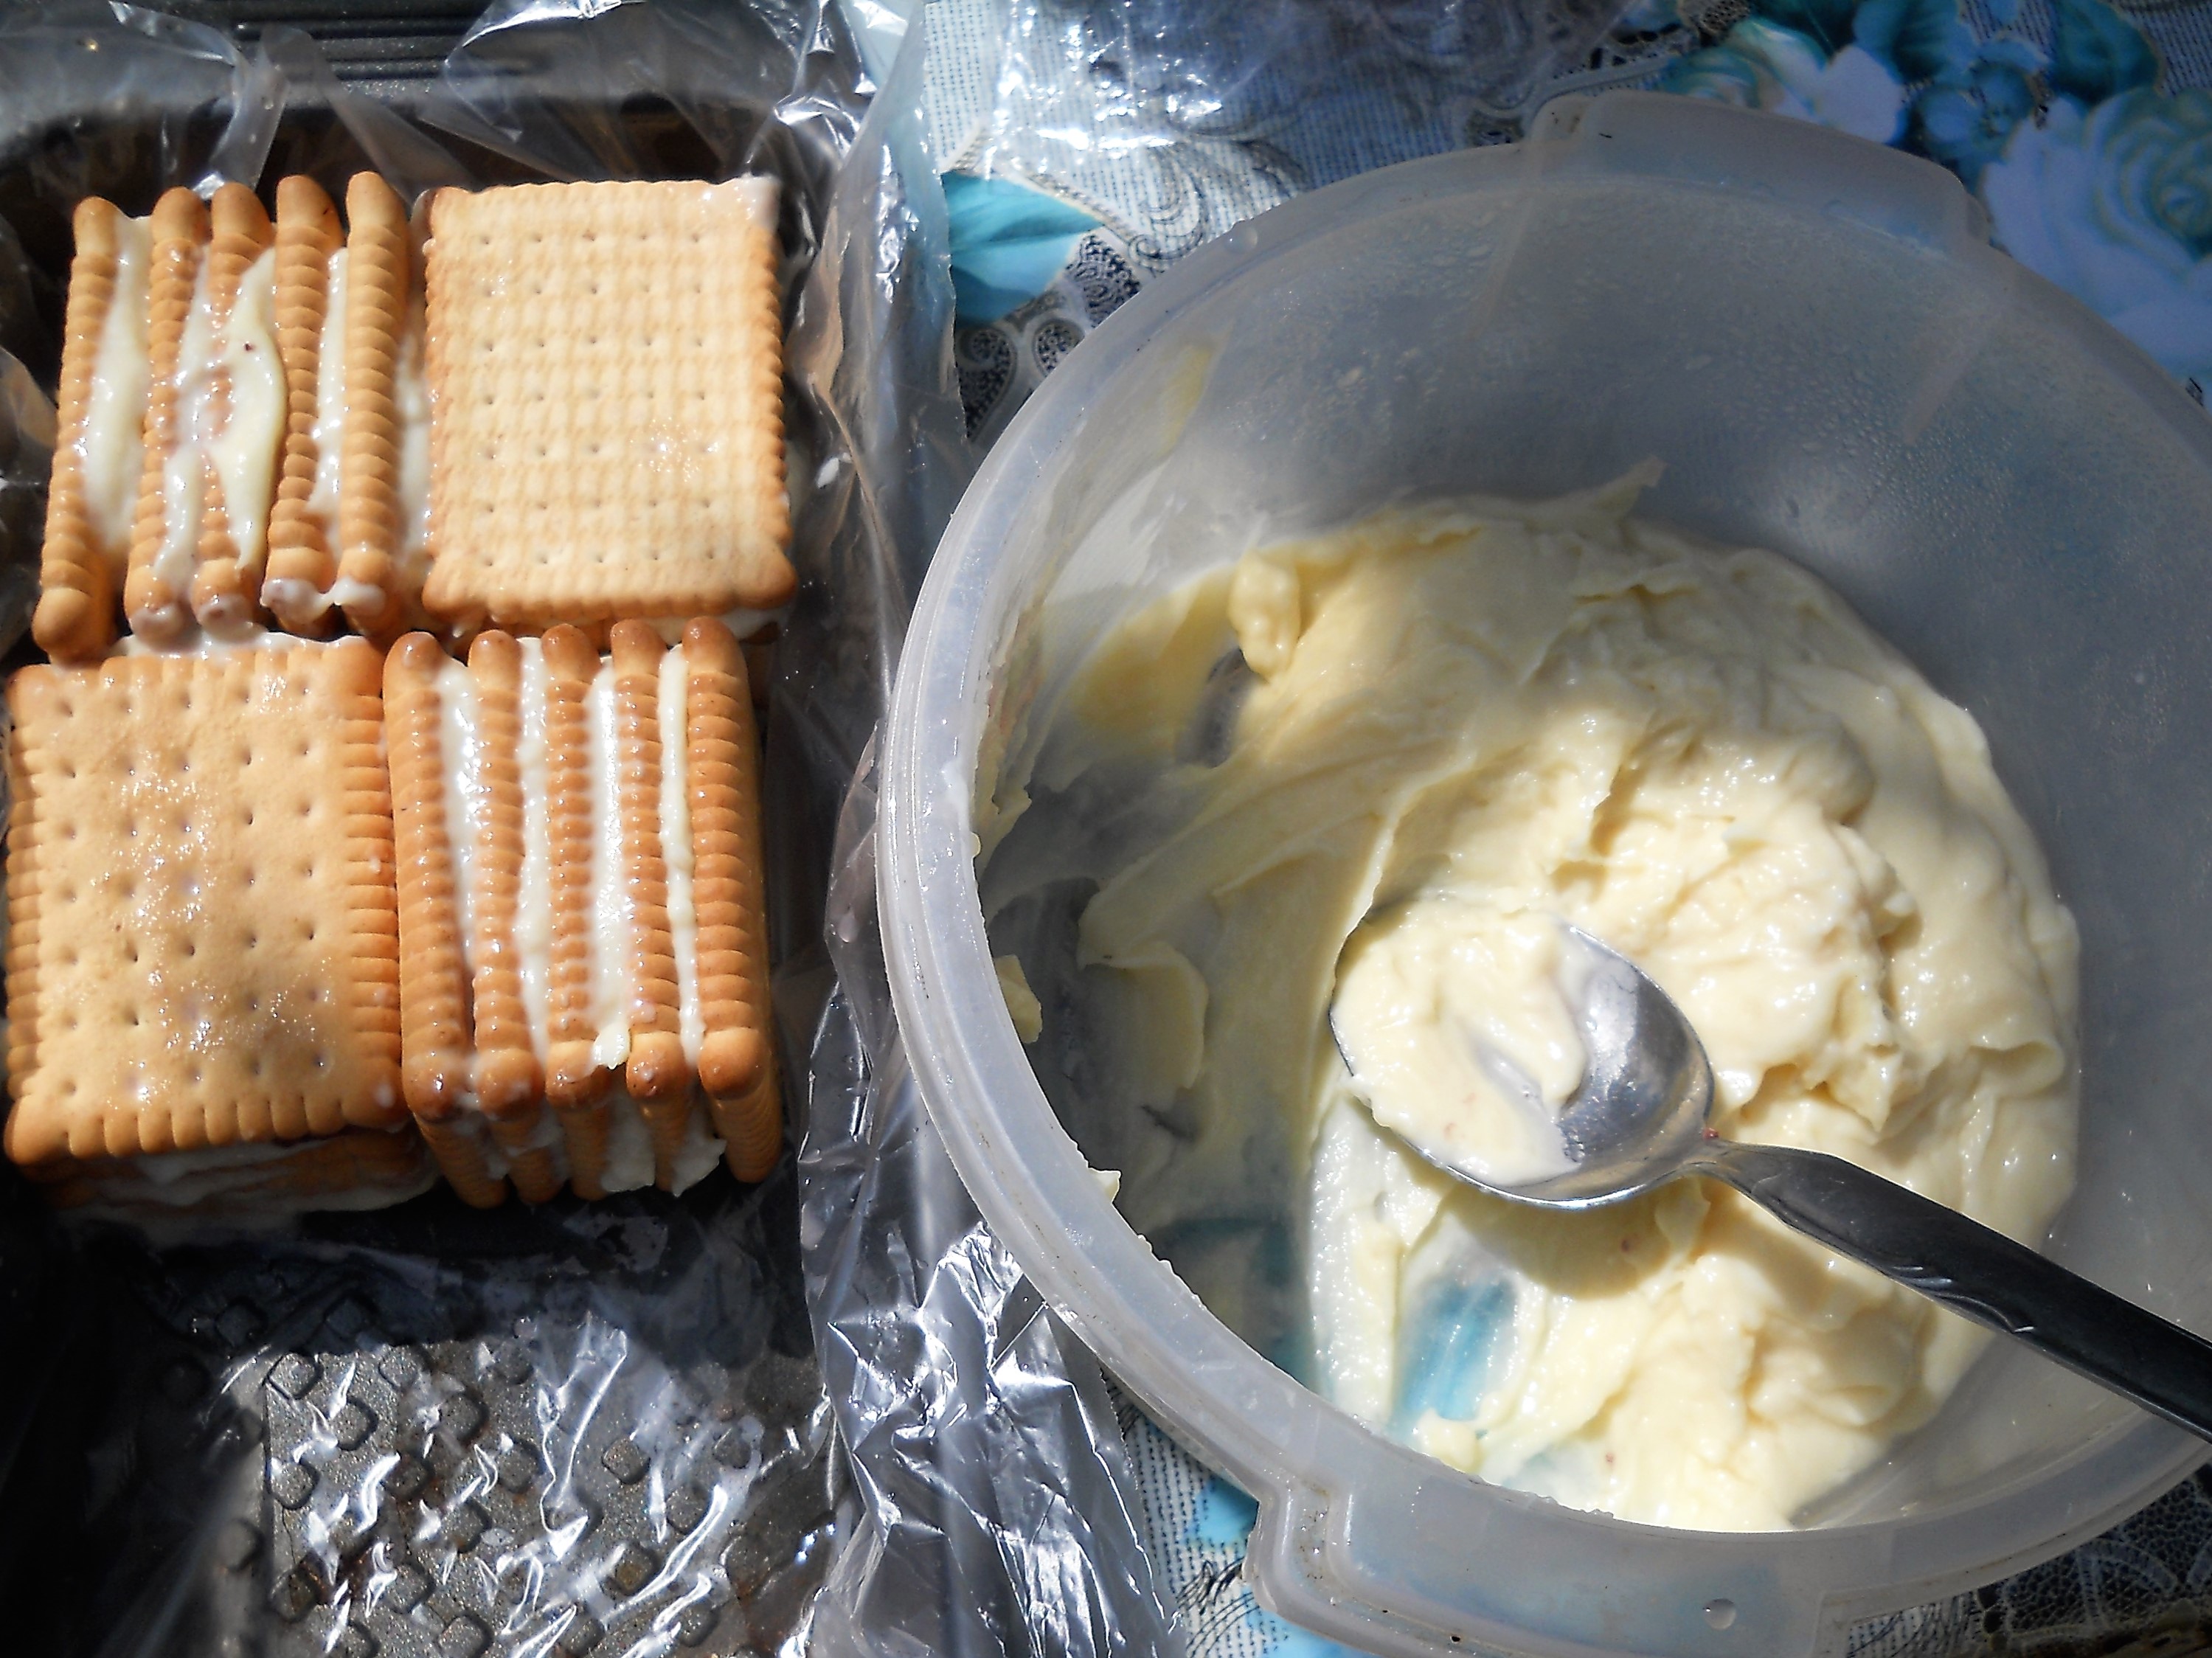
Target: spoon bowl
[[1640, 1117]]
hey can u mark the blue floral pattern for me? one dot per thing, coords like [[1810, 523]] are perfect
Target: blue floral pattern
[[2095, 175]]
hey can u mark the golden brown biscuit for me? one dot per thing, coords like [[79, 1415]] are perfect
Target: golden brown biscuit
[[657, 1076], [605, 371], [380, 274], [509, 1084], [463, 1150], [301, 560], [736, 1056], [153, 603], [204, 948], [575, 1082], [433, 966], [80, 569], [574, 1078], [656, 1070], [507, 1074], [226, 582]]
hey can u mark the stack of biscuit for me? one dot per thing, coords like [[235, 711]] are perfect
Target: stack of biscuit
[[299, 919], [203, 957], [235, 411], [579, 886]]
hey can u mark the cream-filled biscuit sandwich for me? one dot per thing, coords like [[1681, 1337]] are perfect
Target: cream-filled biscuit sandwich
[[350, 532], [244, 424], [565, 406], [203, 956], [98, 451], [583, 958], [172, 415], [215, 418]]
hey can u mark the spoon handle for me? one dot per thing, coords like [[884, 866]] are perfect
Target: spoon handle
[[1976, 1272]]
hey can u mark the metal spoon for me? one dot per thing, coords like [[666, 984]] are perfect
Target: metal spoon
[[1639, 1120]]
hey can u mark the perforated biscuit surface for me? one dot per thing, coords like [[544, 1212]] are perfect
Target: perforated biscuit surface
[[200, 884], [607, 434]]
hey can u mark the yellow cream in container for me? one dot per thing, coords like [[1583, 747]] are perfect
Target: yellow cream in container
[[1390, 760]]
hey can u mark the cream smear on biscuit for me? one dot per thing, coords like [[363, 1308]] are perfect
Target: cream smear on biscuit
[[244, 450], [184, 471], [193, 642], [410, 405], [676, 848], [631, 1162], [410, 397], [234, 434], [468, 796], [330, 403], [110, 445], [610, 906], [533, 914]]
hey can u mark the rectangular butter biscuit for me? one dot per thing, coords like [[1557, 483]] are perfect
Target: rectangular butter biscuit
[[216, 410], [204, 944], [729, 901], [605, 365], [302, 530], [98, 452]]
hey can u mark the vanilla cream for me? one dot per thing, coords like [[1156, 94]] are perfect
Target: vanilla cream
[[330, 404], [629, 1162], [468, 799], [676, 845], [468, 808], [1375, 769], [231, 408], [610, 908], [110, 444], [1022, 1004], [295, 601], [534, 915]]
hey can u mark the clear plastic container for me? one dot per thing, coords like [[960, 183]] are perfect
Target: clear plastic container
[[1814, 336]]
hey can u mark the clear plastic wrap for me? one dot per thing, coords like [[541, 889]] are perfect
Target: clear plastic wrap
[[27, 448], [578, 1428], [1163, 123], [996, 1511]]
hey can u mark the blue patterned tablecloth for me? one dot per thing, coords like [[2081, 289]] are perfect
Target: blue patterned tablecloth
[[2084, 129], [1090, 147]]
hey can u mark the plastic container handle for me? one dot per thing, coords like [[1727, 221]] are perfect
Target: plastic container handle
[[1983, 1275]]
